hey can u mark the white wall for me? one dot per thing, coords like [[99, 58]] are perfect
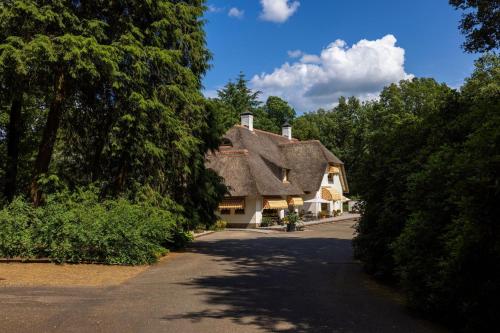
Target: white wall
[[337, 185], [252, 216]]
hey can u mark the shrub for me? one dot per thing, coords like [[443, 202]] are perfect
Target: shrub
[[267, 221], [292, 218], [219, 225], [78, 228], [17, 231]]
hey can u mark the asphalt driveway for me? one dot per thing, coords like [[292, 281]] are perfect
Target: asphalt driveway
[[232, 281]]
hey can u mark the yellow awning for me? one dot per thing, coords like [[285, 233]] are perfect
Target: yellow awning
[[275, 204], [232, 203], [330, 194], [295, 201], [333, 169]]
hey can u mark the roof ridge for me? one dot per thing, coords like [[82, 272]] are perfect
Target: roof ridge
[[271, 133], [299, 142], [267, 132]]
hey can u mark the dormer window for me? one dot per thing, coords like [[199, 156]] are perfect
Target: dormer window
[[226, 143], [331, 178], [286, 175]]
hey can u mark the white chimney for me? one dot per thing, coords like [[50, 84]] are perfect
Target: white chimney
[[286, 130], [247, 120]]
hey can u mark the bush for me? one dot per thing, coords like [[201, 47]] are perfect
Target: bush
[[219, 225], [430, 199], [78, 228], [292, 218], [267, 221]]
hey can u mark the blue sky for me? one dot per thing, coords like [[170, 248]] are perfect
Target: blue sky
[[312, 51]]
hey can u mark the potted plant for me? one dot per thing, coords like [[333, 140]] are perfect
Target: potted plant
[[292, 220]]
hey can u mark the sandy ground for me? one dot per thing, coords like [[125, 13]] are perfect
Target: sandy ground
[[20, 274]]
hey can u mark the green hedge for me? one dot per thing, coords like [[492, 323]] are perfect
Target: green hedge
[[78, 228], [431, 175]]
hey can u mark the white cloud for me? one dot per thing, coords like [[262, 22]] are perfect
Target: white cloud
[[295, 53], [235, 12], [214, 9], [278, 10], [361, 70], [310, 58]]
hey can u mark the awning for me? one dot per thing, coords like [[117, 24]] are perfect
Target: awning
[[317, 201], [275, 204], [232, 203], [333, 169], [330, 194], [295, 201]]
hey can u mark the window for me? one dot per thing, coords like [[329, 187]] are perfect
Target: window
[[331, 178], [239, 211], [286, 175], [226, 143], [225, 211]]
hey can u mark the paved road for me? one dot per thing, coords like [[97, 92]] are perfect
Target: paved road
[[232, 281]]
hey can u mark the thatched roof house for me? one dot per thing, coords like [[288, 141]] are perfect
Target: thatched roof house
[[263, 169]]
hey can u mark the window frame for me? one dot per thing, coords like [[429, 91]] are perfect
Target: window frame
[[332, 181]]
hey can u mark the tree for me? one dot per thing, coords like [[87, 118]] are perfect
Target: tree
[[62, 49], [279, 111], [480, 24], [234, 99], [340, 130], [429, 178], [116, 87]]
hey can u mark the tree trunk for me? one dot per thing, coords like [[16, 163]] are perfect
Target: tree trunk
[[13, 139], [49, 137]]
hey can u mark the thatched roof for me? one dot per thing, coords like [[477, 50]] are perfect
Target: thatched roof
[[255, 162]]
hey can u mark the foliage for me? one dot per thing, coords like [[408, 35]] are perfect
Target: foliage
[[236, 98], [267, 221], [292, 218], [431, 196], [341, 130], [107, 93], [77, 228], [424, 160], [480, 24], [219, 225]]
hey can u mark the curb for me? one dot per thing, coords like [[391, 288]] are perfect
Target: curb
[[205, 233], [259, 231], [335, 221], [24, 261], [307, 224]]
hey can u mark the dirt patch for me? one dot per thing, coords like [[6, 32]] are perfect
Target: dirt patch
[[21, 274]]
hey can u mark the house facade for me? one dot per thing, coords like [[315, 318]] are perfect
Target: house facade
[[269, 175]]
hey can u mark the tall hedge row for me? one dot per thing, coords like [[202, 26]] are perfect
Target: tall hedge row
[[431, 176]]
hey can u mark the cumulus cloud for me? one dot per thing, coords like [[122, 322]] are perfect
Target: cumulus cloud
[[235, 12], [361, 70], [278, 10]]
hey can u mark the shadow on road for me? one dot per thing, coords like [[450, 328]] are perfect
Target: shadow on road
[[292, 284]]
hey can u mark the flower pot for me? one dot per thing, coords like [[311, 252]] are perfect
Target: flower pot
[[291, 227]]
